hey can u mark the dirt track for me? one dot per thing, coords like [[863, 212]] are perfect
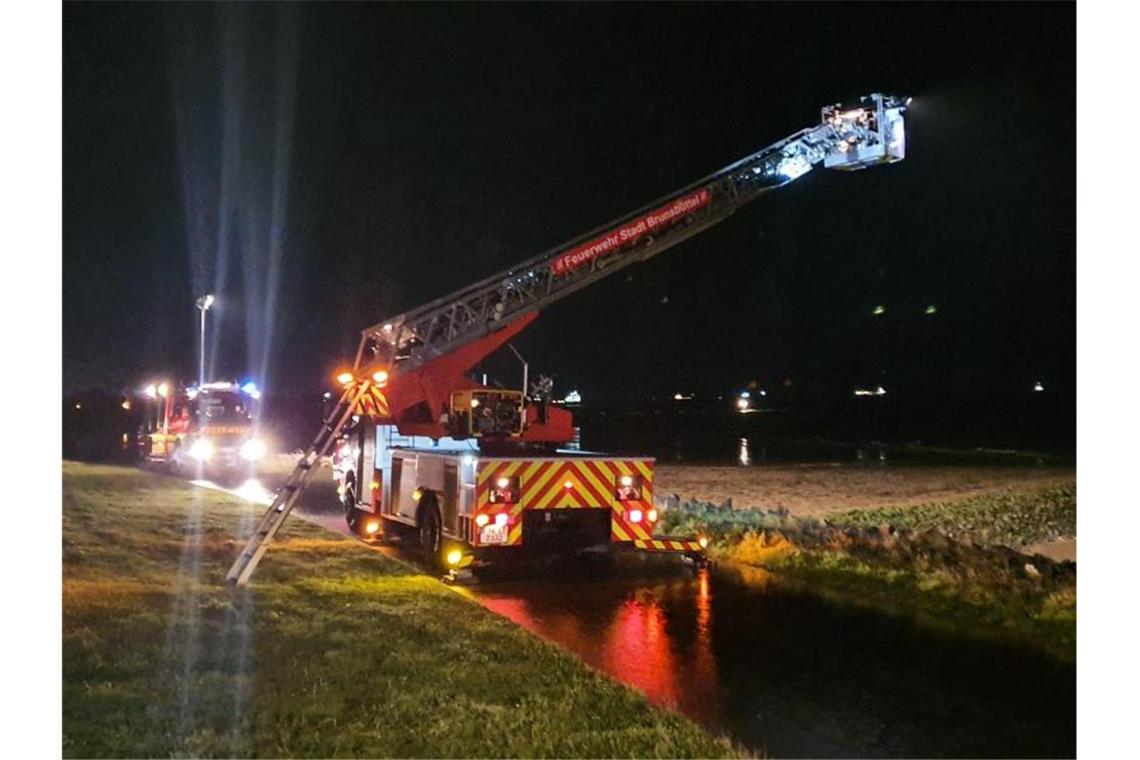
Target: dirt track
[[818, 489]]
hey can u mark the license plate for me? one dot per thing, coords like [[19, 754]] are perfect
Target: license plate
[[493, 534]]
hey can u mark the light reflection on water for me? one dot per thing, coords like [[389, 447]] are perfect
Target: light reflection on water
[[636, 636]]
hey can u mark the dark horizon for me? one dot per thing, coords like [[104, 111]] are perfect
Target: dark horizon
[[380, 156]]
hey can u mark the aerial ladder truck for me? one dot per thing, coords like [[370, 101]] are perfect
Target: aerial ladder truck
[[474, 473]]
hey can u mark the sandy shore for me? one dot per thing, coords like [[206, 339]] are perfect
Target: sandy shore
[[819, 489], [1059, 550]]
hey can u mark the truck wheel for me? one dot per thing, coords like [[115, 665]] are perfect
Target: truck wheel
[[351, 513], [175, 465], [431, 532]]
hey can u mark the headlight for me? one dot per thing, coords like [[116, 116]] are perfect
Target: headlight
[[253, 449], [202, 449]]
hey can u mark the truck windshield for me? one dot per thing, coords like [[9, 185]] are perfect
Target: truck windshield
[[223, 407]]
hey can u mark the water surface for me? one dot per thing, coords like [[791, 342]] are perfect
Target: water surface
[[789, 674]]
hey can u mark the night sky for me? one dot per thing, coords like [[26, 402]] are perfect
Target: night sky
[[323, 167]]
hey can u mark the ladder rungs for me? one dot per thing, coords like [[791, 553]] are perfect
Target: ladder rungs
[[285, 498]]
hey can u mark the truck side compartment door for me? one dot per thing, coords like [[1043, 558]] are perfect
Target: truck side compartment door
[[403, 489], [450, 506], [366, 441]]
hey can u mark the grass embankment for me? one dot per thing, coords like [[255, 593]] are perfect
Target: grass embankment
[[334, 650], [1011, 520], [947, 564]]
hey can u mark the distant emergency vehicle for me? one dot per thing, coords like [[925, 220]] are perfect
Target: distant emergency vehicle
[[205, 428]]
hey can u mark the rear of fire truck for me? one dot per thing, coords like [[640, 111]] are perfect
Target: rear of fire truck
[[576, 500], [460, 506]]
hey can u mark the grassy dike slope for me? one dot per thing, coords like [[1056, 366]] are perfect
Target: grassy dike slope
[[333, 650]]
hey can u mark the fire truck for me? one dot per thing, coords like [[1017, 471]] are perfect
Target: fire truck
[[476, 473], [207, 428]]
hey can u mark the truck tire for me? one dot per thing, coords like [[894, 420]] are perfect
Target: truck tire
[[176, 464], [429, 530], [351, 513]]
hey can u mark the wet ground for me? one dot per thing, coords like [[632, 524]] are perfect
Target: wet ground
[[783, 672]]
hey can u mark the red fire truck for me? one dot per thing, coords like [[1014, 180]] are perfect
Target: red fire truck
[[476, 473], [208, 428], [462, 503]]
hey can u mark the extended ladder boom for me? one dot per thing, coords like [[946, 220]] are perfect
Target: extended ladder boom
[[848, 137]]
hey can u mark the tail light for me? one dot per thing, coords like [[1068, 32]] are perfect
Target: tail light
[[482, 519], [635, 515]]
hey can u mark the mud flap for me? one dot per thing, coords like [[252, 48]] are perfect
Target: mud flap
[[690, 549], [460, 577]]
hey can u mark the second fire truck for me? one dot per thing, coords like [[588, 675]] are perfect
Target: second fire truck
[[206, 429]]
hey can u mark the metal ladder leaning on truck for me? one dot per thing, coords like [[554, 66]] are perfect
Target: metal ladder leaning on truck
[[476, 473]]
